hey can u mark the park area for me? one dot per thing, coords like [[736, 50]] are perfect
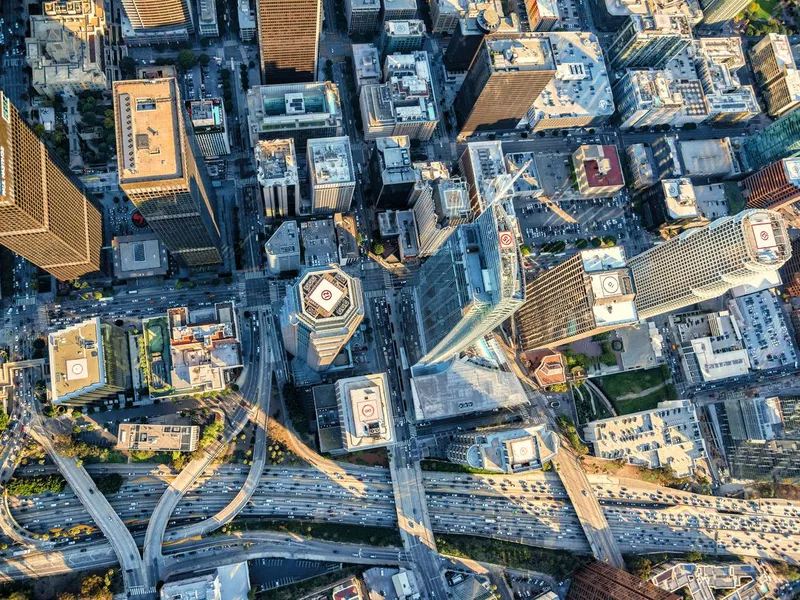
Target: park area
[[635, 391]]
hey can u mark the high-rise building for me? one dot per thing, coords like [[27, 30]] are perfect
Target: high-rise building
[[66, 50], [210, 126], [600, 581], [207, 18], [472, 28], [473, 283], [366, 64], [300, 111], [504, 450], [391, 172], [158, 169], [288, 39], [438, 213], [704, 263], [527, 184], [398, 10], [587, 294], [505, 78], [320, 314], [247, 20], [482, 164], [542, 14], [779, 140], [670, 207], [44, 216], [88, 361], [650, 41], [402, 36], [156, 21], [363, 16], [283, 249], [719, 12], [717, 60], [331, 174], [776, 73], [775, 186], [276, 170]]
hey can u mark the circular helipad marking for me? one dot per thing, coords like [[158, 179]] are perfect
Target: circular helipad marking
[[611, 285], [367, 410], [506, 239], [764, 235], [523, 451], [326, 295], [77, 369]]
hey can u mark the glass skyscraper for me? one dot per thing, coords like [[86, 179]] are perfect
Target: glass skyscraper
[[779, 140]]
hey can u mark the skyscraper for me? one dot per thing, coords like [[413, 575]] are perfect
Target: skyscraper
[[472, 284], [331, 174], [600, 581], [775, 186], [718, 12], [650, 41], [288, 39], [701, 264], [776, 72], [320, 314], [156, 21], [587, 294], [780, 140], [44, 216], [505, 78], [158, 170], [438, 213], [276, 169]]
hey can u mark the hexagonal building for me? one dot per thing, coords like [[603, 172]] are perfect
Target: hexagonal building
[[321, 312]]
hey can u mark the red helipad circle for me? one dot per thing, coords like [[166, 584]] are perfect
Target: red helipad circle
[[367, 410], [764, 235], [523, 451], [326, 295], [506, 239]]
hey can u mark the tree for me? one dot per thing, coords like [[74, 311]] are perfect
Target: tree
[[204, 59], [525, 250], [694, 556], [596, 242], [186, 60], [377, 248], [128, 67]]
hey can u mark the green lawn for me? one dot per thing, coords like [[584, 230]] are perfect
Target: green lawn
[[634, 382], [765, 9]]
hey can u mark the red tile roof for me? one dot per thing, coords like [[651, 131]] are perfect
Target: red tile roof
[[612, 178]]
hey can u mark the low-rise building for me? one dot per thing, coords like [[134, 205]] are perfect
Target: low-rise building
[[365, 412], [318, 238], [207, 18], [158, 438], [276, 170], [405, 104], [283, 249], [247, 20], [504, 450], [331, 174], [367, 65], [666, 436], [300, 111], [598, 172], [711, 158], [66, 51], [140, 255], [230, 581], [210, 126], [88, 361], [764, 331]]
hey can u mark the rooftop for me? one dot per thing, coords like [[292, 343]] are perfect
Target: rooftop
[[285, 240], [206, 115], [276, 163], [330, 160], [528, 183], [791, 167], [462, 387], [399, 5], [149, 130], [365, 411], [319, 242], [414, 27], [394, 157], [550, 370], [711, 346], [451, 198], [139, 256], [160, 438], [275, 107], [367, 63], [708, 157], [611, 291], [525, 52], [76, 360], [513, 450], [600, 165], [717, 61], [325, 293], [680, 199], [488, 163], [581, 86]]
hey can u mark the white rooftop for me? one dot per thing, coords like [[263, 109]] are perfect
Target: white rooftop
[[680, 199], [331, 160], [276, 162]]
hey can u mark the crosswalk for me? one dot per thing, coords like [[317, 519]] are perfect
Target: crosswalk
[[142, 590]]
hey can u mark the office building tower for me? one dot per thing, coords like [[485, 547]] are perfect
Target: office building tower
[[399, 10], [207, 18], [402, 37], [321, 312], [640, 166], [156, 21], [210, 126], [391, 172], [542, 14], [776, 187], [288, 40], [362, 16], [505, 78], [790, 275], [300, 111], [331, 174], [482, 164], [158, 169], [65, 50], [527, 184], [283, 249], [504, 450], [472, 28], [600, 581], [346, 238], [702, 264], [88, 361], [276, 170], [247, 20], [780, 139], [776, 73], [44, 216], [367, 65], [655, 97], [717, 60], [650, 42], [438, 213], [718, 12], [670, 207], [405, 104], [469, 287], [427, 173], [587, 294]]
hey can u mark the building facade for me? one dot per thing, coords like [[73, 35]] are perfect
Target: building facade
[[276, 171], [392, 175], [650, 41], [288, 40], [283, 249], [779, 140], [718, 12], [776, 73], [402, 36], [775, 187], [45, 216], [438, 213], [158, 169], [210, 126], [156, 21], [363, 16], [331, 174]]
